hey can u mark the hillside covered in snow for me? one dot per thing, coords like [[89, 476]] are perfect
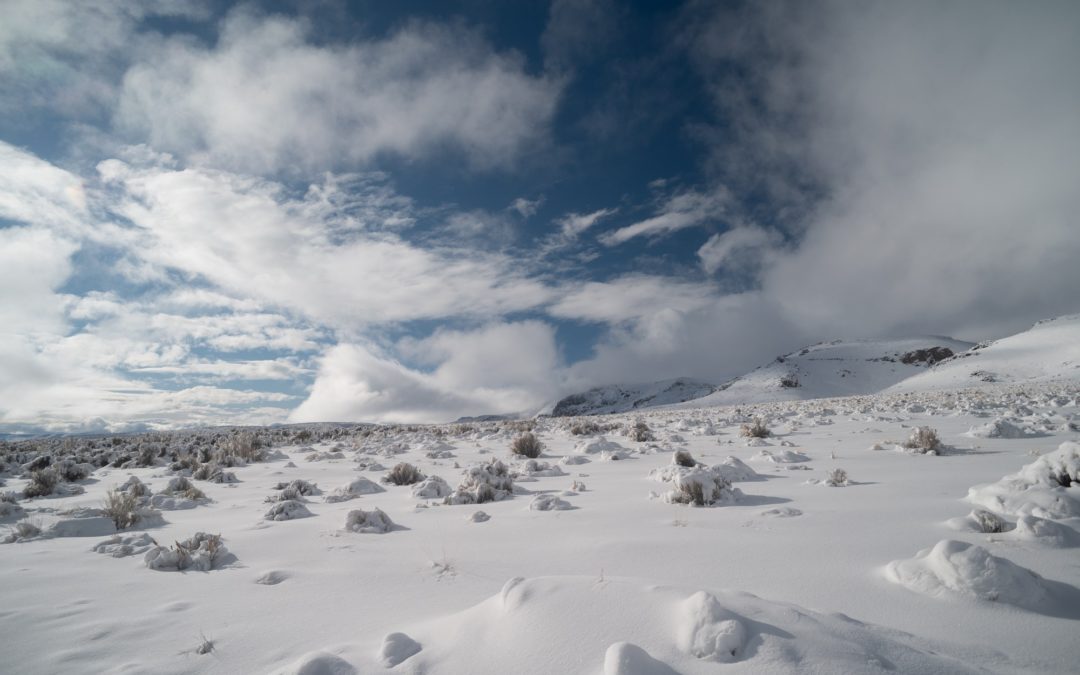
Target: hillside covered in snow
[[1049, 350]]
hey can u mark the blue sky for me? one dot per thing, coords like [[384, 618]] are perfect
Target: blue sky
[[219, 213]]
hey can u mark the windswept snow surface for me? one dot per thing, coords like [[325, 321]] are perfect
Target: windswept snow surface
[[588, 569]]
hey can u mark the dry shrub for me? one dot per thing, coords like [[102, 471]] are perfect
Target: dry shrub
[[527, 445]]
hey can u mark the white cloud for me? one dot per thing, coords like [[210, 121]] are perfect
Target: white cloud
[[499, 368], [944, 141], [630, 298], [246, 237], [526, 208], [266, 98], [740, 249], [38, 193], [573, 224], [677, 212]]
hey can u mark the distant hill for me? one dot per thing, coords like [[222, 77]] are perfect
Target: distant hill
[[628, 397]]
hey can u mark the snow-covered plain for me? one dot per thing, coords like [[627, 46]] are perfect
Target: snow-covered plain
[[589, 565]]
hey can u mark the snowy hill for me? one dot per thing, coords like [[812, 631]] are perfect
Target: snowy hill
[[1049, 350], [836, 368], [624, 398]]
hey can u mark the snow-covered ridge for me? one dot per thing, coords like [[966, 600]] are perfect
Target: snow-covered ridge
[[828, 369], [1049, 350], [624, 398]]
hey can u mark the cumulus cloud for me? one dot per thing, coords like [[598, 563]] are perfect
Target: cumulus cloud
[[498, 368], [266, 97]]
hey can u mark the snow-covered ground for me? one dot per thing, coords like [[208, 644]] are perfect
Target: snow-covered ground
[[591, 564]]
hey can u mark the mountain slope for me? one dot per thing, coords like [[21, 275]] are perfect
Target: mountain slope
[[624, 398], [836, 368], [1049, 350]]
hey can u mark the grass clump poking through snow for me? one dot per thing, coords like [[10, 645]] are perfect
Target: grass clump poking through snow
[[42, 483], [201, 552], [924, 440], [403, 474], [586, 428], [120, 507], [755, 429], [527, 445]]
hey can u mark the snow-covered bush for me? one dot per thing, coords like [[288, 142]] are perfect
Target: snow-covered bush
[[488, 482], [640, 432], [697, 486], [120, 507], [181, 486], [756, 429], [67, 469], [368, 522], [683, 458], [923, 440], [403, 474], [987, 522], [22, 531], [295, 490], [134, 487], [289, 509], [586, 428], [212, 472], [201, 552], [526, 445], [836, 478], [432, 487], [42, 483]]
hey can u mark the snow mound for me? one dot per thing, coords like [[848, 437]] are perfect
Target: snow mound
[[1002, 427], [358, 487], [121, 547], [271, 578], [736, 470], [432, 487], [478, 517], [532, 468], [957, 568], [784, 456], [625, 658], [290, 509], [1048, 487], [368, 522], [396, 647], [571, 460], [1046, 532], [548, 502], [636, 627], [318, 663], [598, 446], [82, 522]]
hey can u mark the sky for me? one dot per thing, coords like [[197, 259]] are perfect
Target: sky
[[263, 212]]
